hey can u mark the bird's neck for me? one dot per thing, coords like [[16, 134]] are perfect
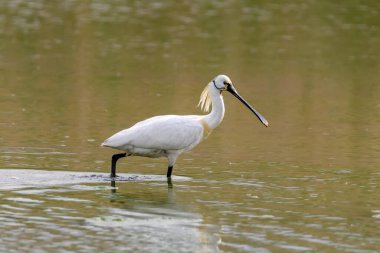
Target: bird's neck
[[215, 117]]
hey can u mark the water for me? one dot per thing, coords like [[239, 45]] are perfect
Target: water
[[73, 73]]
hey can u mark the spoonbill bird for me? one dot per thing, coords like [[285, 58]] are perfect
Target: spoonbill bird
[[171, 135]]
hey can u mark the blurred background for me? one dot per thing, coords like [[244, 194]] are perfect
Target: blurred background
[[74, 72]]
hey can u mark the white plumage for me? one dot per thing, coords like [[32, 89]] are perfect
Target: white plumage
[[156, 136], [171, 135]]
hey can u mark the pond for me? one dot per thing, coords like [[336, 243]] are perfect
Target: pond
[[72, 73]]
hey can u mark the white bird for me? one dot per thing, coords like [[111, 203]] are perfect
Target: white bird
[[171, 135]]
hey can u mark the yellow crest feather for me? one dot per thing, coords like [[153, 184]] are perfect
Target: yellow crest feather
[[205, 99]]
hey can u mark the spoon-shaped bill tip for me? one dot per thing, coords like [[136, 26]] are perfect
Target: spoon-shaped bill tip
[[233, 91], [258, 115], [265, 122]]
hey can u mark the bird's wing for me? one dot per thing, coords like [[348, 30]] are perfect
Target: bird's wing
[[169, 132]]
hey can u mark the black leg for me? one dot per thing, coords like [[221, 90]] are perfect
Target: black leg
[[116, 157], [170, 184], [170, 169]]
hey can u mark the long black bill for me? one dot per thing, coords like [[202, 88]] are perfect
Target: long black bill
[[233, 91]]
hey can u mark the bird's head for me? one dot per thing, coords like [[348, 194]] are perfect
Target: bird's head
[[223, 83]]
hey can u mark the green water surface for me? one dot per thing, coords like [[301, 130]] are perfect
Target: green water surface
[[72, 73]]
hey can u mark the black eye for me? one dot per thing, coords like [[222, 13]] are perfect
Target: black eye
[[225, 83]]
